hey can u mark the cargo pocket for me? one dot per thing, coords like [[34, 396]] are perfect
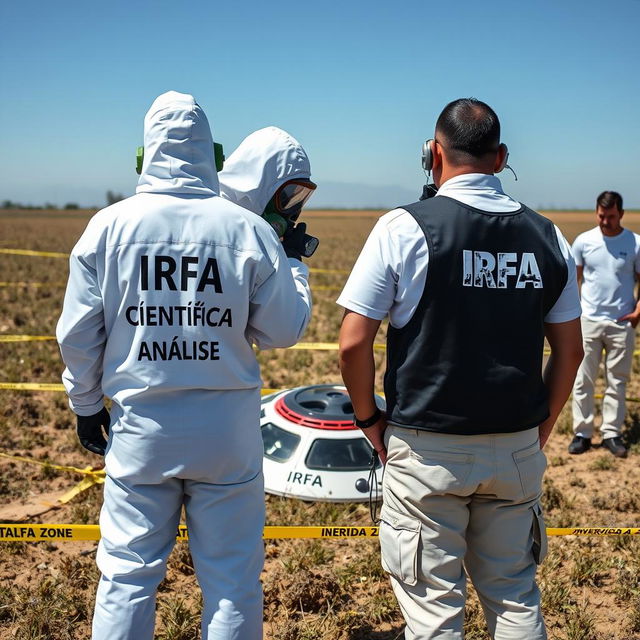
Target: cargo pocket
[[399, 541], [530, 464], [539, 535], [442, 471]]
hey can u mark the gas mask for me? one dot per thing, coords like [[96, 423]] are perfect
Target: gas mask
[[284, 208]]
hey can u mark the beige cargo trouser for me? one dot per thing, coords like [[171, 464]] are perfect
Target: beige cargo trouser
[[464, 502], [617, 340]]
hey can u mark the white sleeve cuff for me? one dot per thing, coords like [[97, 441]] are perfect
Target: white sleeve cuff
[[564, 316], [89, 410], [299, 266], [363, 310]]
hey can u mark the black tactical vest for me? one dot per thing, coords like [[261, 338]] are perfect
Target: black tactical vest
[[469, 361]]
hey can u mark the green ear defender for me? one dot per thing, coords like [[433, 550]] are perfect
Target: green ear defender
[[139, 159], [278, 222], [218, 154]]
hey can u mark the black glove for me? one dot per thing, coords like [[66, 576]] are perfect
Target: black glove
[[297, 242], [90, 433]]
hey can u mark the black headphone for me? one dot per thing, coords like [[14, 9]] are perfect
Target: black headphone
[[427, 156]]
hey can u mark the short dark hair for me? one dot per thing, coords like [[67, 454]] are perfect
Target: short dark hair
[[470, 129], [608, 199]]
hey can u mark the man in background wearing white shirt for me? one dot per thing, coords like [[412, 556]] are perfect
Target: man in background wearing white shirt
[[608, 262], [471, 281]]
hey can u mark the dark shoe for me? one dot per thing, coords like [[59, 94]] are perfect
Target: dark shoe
[[579, 444], [615, 446]]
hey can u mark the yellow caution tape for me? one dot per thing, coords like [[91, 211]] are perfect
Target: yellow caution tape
[[37, 532], [301, 346], [32, 284], [92, 532], [24, 338], [92, 476], [51, 386], [292, 532], [28, 252], [32, 386], [338, 271], [599, 396], [327, 346], [314, 346], [83, 485], [87, 471], [547, 352], [593, 531]]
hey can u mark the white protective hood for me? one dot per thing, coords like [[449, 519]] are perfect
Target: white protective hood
[[264, 160], [178, 148]]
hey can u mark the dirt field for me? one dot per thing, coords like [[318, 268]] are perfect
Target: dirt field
[[327, 589]]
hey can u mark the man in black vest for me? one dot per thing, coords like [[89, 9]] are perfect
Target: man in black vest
[[472, 281]]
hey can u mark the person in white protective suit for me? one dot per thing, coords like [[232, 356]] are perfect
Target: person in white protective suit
[[168, 291], [269, 174]]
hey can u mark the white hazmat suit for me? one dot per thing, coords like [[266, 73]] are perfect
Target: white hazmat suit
[[168, 291], [262, 163]]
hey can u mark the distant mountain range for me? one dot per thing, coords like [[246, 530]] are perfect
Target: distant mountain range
[[354, 195]]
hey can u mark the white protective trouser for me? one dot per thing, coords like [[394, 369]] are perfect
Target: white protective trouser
[[207, 457], [139, 525], [455, 502], [617, 340]]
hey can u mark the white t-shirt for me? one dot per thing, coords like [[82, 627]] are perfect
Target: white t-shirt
[[391, 271], [609, 268]]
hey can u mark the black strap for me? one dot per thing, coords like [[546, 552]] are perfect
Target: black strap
[[369, 422]]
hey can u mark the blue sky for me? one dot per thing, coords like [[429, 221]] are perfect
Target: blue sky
[[360, 84]]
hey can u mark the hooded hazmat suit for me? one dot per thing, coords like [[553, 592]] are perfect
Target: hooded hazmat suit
[[263, 162], [168, 291]]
